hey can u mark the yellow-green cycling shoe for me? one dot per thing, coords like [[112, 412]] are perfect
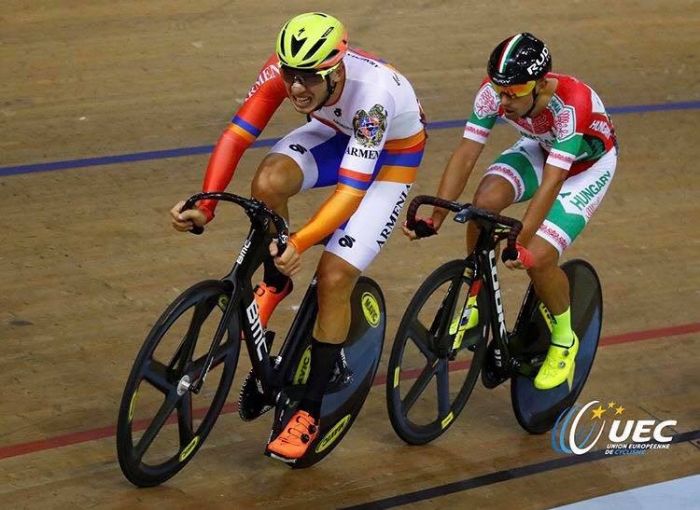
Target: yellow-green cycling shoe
[[473, 317], [467, 318], [558, 366]]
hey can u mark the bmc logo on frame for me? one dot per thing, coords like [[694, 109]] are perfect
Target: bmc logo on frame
[[578, 430]]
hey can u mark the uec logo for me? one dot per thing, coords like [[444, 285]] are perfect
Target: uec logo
[[572, 433]]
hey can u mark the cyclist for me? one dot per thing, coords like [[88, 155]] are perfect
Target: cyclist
[[365, 135], [563, 163]]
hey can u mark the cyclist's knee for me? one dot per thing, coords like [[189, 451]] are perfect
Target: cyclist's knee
[[278, 176], [335, 279], [544, 255]]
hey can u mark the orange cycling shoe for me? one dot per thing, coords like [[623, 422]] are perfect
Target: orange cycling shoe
[[268, 297], [292, 443]]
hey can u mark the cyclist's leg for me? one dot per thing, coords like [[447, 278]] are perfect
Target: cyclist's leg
[[578, 199], [277, 178], [551, 283], [354, 245], [494, 194], [298, 161], [511, 178], [336, 280], [301, 160], [351, 248]]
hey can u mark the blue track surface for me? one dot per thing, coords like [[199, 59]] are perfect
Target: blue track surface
[[268, 142]]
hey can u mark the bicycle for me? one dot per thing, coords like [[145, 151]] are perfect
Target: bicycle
[[433, 340], [197, 340]]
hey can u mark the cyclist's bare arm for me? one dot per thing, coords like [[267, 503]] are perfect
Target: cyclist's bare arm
[[262, 101], [454, 178]]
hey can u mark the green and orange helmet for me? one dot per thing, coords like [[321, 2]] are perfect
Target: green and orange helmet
[[312, 41]]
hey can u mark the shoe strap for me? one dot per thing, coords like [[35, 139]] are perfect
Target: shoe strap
[[555, 344]]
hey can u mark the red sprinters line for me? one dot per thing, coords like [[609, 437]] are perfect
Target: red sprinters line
[[103, 432]]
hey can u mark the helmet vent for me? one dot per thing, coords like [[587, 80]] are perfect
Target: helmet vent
[[297, 44], [314, 48]]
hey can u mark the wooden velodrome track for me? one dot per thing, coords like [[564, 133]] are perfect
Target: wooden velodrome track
[[88, 259]]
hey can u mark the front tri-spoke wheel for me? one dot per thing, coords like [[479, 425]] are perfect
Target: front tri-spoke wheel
[[435, 360], [162, 421]]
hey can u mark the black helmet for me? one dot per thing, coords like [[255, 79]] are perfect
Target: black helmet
[[519, 59]]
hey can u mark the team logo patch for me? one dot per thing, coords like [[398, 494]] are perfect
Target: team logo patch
[[564, 119], [370, 126], [486, 104]]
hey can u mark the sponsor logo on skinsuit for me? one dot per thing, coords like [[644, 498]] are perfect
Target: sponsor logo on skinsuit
[[347, 241]]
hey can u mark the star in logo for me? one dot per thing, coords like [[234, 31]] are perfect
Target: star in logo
[[611, 405], [598, 413], [619, 410]]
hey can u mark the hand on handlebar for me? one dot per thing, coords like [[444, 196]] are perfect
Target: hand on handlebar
[[184, 221], [289, 262], [424, 228], [521, 259]]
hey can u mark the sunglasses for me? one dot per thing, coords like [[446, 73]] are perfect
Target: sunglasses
[[517, 90], [306, 78]]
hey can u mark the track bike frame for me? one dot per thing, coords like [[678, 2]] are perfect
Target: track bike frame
[[240, 302], [481, 264]]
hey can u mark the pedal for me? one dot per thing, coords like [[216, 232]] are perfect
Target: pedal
[[289, 462], [284, 409], [342, 374]]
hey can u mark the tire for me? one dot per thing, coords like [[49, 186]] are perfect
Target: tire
[[421, 353], [537, 410], [174, 350]]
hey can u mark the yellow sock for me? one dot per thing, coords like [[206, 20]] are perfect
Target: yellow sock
[[562, 334]]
